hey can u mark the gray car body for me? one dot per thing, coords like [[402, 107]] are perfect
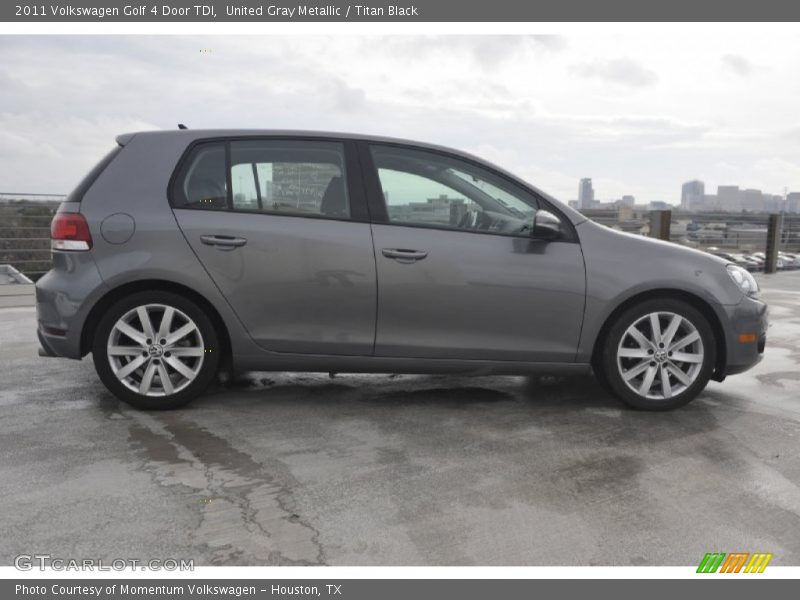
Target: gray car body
[[305, 295]]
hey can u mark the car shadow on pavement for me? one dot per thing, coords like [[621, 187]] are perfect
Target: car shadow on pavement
[[445, 390], [551, 399], [573, 392]]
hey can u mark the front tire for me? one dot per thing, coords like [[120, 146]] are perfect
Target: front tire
[[156, 350], [659, 355]]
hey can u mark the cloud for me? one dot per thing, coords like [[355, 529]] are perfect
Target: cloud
[[41, 152], [556, 43], [347, 98], [792, 134], [508, 98], [644, 131], [771, 168], [487, 51], [738, 65], [624, 71]]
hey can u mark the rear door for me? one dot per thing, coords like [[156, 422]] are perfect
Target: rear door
[[459, 275], [281, 227]]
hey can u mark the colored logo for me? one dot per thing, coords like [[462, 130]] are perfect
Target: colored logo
[[734, 562]]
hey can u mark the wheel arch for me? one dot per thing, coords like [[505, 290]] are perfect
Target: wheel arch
[[696, 301], [150, 285]]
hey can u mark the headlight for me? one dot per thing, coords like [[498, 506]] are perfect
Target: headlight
[[746, 282]]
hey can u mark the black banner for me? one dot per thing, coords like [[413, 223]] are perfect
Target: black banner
[[399, 11]]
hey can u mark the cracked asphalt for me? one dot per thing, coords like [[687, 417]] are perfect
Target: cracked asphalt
[[301, 469]]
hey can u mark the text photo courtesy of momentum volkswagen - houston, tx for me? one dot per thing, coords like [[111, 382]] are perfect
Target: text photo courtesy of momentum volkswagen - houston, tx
[[296, 299]]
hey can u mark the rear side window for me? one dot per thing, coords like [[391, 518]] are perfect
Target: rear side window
[[201, 183], [303, 178]]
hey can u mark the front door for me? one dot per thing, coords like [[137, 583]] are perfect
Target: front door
[[277, 227], [459, 275]]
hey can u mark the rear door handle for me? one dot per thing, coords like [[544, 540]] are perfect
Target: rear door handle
[[404, 256], [223, 242]]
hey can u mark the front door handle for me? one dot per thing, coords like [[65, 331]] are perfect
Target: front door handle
[[223, 242], [404, 256]]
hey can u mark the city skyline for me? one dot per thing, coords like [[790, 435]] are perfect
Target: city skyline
[[729, 198]]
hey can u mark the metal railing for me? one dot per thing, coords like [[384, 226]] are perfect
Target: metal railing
[[25, 230], [790, 234]]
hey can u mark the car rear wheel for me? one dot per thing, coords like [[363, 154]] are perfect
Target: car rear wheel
[[156, 350], [659, 355]]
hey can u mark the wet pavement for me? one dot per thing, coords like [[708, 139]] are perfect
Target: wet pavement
[[301, 469]]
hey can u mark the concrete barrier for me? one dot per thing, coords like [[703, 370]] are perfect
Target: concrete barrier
[[21, 294]]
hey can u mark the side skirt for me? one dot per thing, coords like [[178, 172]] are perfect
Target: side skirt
[[410, 366]]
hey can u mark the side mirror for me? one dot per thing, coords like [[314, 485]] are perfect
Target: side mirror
[[546, 226]]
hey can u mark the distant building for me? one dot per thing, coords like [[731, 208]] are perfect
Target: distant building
[[692, 195], [605, 216], [600, 205], [300, 185], [753, 200], [627, 201], [729, 198], [658, 205], [585, 193], [793, 202], [444, 210], [710, 202], [773, 203], [638, 227], [678, 230], [624, 212]]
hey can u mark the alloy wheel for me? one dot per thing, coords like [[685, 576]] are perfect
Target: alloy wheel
[[660, 355], [155, 350]]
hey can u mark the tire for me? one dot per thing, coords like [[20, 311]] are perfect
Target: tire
[[162, 372], [635, 366]]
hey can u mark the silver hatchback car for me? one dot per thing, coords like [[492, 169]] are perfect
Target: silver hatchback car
[[183, 253]]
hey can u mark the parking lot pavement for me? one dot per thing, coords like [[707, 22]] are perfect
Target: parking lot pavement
[[303, 469]]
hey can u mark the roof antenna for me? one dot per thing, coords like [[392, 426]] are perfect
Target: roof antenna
[[182, 126]]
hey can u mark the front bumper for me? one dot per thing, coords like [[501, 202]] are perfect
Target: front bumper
[[747, 320]]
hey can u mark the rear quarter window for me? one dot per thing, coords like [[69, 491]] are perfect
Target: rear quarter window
[[200, 181]]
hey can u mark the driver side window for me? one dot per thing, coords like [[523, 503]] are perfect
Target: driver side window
[[427, 189]]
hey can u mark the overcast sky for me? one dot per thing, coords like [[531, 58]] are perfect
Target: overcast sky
[[639, 115]]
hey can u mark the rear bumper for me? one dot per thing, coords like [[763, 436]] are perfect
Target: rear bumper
[[747, 320], [64, 297], [44, 348]]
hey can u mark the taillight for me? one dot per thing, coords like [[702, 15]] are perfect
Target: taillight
[[70, 231]]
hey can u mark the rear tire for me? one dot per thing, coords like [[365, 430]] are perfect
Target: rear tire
[[659, 354], [156, 350]]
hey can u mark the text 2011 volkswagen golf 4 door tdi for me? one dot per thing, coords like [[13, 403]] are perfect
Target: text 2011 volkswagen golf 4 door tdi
[[186, 252]]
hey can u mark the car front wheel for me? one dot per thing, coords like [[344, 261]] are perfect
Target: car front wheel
[[659, 355], [156, 350]]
